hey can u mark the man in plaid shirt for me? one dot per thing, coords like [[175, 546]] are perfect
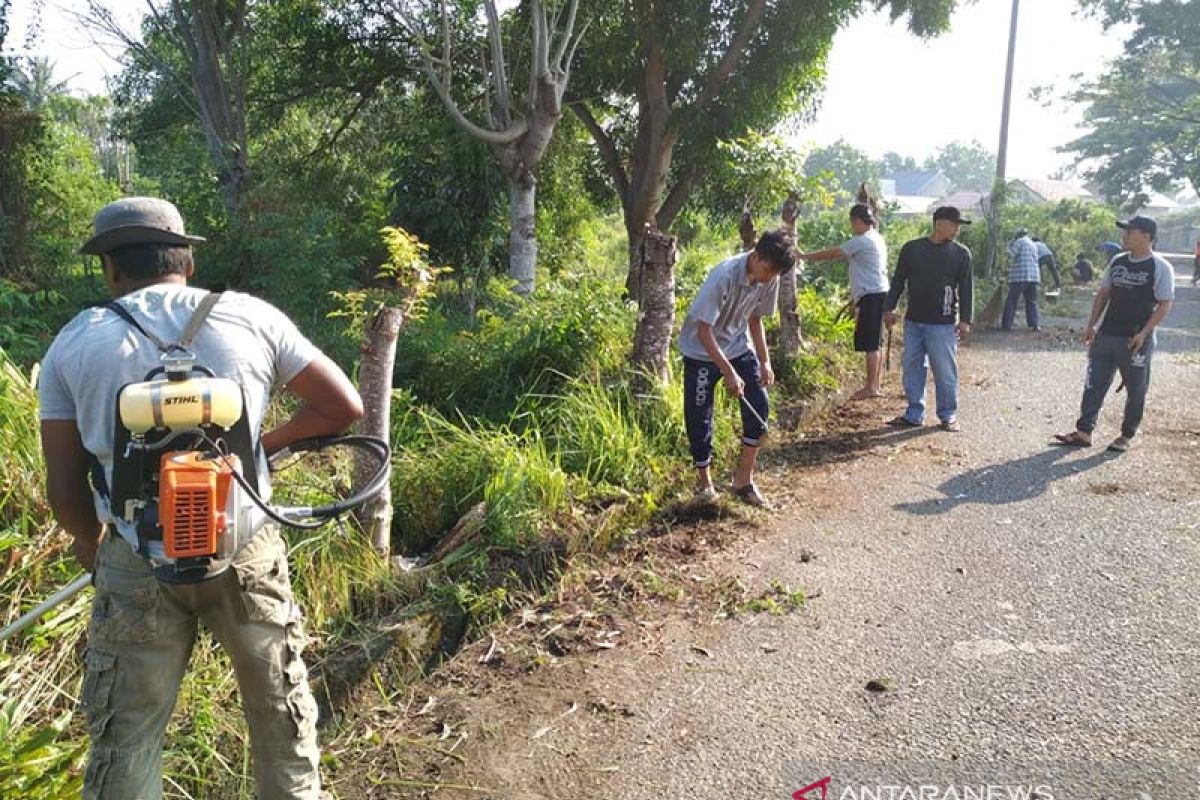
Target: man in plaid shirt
[[1023, 279]]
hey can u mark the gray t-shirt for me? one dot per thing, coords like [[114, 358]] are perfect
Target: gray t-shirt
[[867, 254], [726, 301], [1164, 275], [95, 354]]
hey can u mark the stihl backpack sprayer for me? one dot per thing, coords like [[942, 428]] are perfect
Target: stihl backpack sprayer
[[185, 468]]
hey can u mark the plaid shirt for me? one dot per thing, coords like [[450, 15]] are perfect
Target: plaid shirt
[[1023, 261]]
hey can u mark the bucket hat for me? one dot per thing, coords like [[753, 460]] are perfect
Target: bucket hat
[[137, 220]]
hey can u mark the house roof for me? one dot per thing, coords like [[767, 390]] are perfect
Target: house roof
[[964, 200], [1054, 191], [914, 182], [1187, 198], [1159, 202], [907, 205]]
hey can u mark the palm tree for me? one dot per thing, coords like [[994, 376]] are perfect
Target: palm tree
[[34, 81]]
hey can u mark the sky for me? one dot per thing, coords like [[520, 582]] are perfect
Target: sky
[[886, 89]]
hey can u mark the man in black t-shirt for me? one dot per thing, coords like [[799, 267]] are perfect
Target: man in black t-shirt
[[1134, 297], [936, 271]]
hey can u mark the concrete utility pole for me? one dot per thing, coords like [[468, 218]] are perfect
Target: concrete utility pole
[[996, 199], [1002, 155]]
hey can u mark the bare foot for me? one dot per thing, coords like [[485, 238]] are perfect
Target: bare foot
[[865, 394]]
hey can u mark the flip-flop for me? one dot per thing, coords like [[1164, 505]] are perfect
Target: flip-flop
[[1072, 439], [902, 422], [1119, 445]]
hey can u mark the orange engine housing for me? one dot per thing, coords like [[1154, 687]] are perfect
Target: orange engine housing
[[193, 494]]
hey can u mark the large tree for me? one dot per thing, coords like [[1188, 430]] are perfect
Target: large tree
[[892, 162], [660, 82], [848, 165], [519, 114], [200, 51], [1144, 110], [968, 166]]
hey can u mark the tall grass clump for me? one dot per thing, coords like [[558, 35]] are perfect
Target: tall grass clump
[[39, 751], [450, 467], [482, 368]]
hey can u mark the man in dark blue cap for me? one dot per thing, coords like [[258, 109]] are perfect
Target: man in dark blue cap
[[1134, 297]]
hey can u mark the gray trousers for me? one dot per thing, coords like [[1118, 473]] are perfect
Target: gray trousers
[[139, 644], [1107, 356]]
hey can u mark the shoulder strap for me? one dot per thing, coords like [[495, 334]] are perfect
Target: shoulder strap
[[198, 317], [189, 332], [123, 313]]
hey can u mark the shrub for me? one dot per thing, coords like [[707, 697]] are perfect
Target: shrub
[[568, 329], [449, 468]]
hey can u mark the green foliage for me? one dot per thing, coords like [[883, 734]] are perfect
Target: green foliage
[[816, 369], [845, 166], [39, 757], [1068, 228], [447, 189], [893, 162], [514, 349], [407, 279], [1143, 110], [708, 71], [66, 187], [452, 467], [776, 600], [37, 764], [758, 171], [604, 435], [24, 320], [968, 166]]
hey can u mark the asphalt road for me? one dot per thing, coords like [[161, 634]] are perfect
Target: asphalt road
[[1035, 609]]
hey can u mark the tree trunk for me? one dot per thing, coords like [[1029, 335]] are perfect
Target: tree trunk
[[375, 386], [790, 336], [656, 310], [522, 237], [746, 230]]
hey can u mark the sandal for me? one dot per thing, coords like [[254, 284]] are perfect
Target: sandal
[[1119, 445], [1072, 439], [903, 422], [750, 495]]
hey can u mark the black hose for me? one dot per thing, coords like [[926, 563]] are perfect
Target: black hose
[[320, 515]]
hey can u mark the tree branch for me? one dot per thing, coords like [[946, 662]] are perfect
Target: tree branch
[[608, 150], [677, 198], [725, 67], [499, 69], [564, 44]]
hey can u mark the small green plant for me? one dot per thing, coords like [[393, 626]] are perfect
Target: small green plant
[[38, 763], [406, 277], [777, 600]]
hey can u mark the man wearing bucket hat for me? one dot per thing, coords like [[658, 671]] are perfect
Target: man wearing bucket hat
[[1135, 296], [142, 629]]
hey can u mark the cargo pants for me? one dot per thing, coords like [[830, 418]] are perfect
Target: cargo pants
[[139, 644]]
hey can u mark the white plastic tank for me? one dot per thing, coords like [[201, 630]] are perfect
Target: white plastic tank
[[174, 405]]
